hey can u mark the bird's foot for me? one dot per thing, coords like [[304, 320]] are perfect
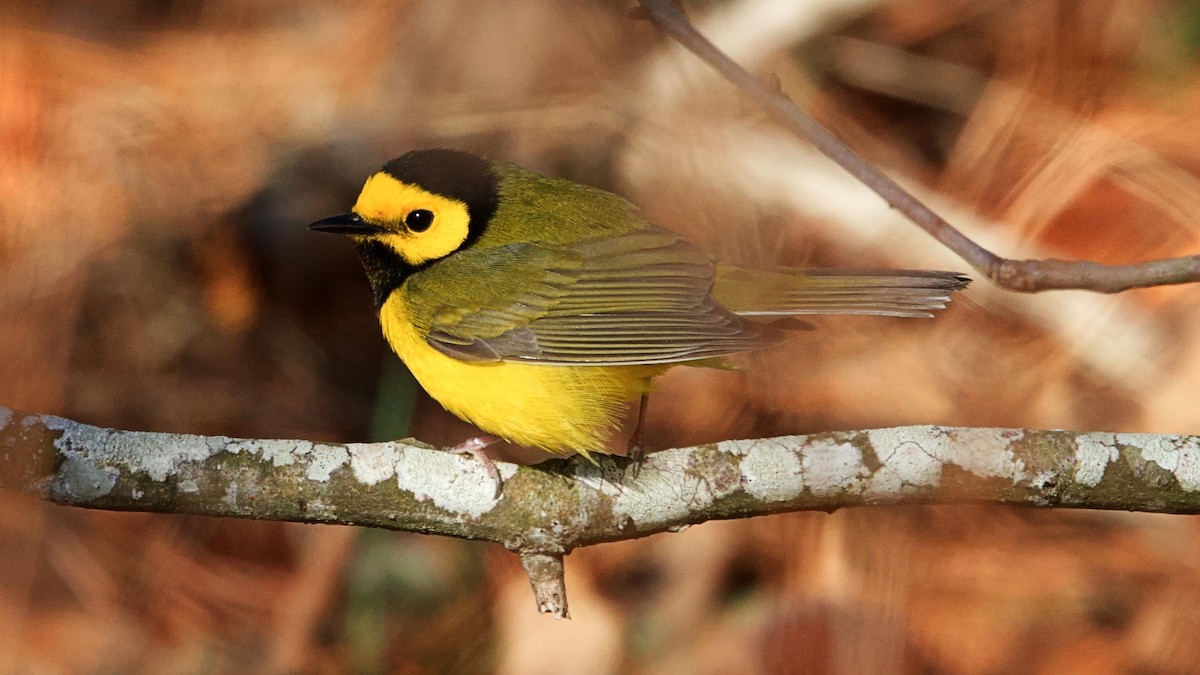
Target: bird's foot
[[636, 452], [637, 444], [474, 447]]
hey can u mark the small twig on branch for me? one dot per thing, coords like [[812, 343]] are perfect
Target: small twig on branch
[[1029, 276], [548, 579], [559, 505]]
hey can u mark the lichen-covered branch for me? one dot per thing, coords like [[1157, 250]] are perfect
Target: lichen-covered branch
[[547, 510], [1027, 276]]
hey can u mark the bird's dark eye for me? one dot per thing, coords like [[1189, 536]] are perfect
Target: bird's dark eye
[[418, 220]]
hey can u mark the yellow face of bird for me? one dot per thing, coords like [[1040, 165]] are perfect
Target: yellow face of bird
[[419, 208], [418, 225]]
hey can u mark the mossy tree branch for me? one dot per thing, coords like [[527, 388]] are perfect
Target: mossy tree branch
[[547, 510]]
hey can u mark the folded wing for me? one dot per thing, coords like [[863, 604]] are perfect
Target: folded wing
[[643, 298]]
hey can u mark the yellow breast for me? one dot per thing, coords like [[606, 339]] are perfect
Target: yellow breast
[[556, 408]]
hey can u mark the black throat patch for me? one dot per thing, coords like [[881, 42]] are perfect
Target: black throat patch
[[386, 270]]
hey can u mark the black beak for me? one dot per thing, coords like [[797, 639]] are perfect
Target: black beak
[[346, 223]]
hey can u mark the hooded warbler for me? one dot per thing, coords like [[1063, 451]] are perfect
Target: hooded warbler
[[538, 308]]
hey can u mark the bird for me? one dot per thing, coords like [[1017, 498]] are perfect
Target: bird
[[540, 309]]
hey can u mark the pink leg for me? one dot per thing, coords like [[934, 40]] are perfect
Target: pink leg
[[474, 447]]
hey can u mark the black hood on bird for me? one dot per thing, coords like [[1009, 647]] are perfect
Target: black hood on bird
[[455, 174]]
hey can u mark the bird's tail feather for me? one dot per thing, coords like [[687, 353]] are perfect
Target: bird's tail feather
[[902, 293]]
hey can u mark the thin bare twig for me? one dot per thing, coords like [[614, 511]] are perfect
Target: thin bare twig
[[1028, 276]]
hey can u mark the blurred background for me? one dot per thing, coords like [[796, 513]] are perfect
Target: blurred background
[[159, 162]]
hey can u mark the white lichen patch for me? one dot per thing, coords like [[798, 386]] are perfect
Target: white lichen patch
[[914, 466], [83, 479], [1162, 450], [666, 489], [157, 455], [915, 457], [1043, 479], [373, 463], [833, 467], [1188, 471], [986, 453], [188, 486], [884, 483], [277, 452], [906, 464], [905, 458], [1178, 454], [740, 447], [323, 460], [5, 417], [281, 453], [453, 482], [1093, 452], [771, 469]]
